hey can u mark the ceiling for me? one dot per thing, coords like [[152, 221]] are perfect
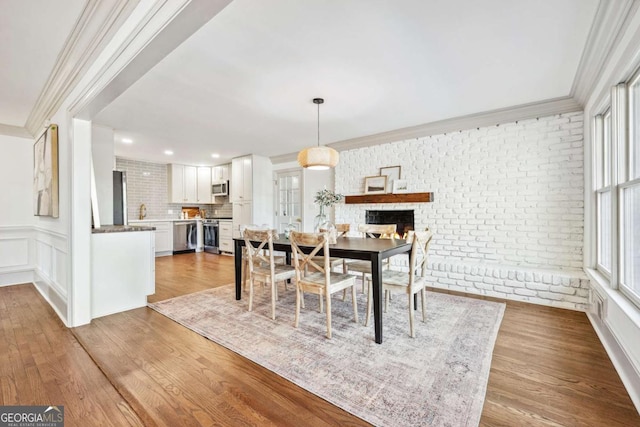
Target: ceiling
[[33, 34], [245, 81]]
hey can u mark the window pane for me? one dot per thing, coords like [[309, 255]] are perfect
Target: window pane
[[631, 239], [634, 131], [606, 150], [604, 230]]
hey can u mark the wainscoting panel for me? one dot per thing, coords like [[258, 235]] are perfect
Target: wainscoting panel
[[51, 270], [16, 255]]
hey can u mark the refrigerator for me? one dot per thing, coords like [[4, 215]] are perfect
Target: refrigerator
[[120, 198]]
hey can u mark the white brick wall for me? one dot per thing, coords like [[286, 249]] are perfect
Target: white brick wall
[[147, 183], [508, 209]]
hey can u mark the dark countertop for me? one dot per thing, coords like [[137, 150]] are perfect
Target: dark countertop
[[121, 228]]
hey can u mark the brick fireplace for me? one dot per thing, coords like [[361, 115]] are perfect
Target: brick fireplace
[[403, 219]]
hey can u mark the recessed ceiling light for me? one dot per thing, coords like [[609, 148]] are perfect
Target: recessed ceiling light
[[215, 155], [127, 140], [168, 152]]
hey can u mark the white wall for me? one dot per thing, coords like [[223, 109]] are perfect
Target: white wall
[[16, 181], [102, 153], [17, 251], [508, 208]]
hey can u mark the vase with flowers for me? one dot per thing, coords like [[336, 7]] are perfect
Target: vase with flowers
[[325, 199]]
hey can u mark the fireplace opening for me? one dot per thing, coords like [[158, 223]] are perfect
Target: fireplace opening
[[403, 219]]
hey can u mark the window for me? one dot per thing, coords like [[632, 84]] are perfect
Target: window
[[629, 194], [616, 185], [603, 192]]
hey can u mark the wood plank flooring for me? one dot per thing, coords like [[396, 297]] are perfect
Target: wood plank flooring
[[548, 366], [41, 363]]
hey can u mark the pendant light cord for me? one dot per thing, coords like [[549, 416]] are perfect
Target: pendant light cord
[[318, 125]]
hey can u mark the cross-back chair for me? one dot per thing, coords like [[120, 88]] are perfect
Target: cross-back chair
[[410, 283], [341, 231], [370, 231], [262, 265], [315, 276]]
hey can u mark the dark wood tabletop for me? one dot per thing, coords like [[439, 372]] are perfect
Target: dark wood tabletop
[[374, 250]]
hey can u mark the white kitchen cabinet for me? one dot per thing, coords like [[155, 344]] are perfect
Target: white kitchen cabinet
[[122, 271], [225, 228], [251, 191], [242, 215], [242, 179], [183, 181], [164, 238], [220, 173], [204, 184]]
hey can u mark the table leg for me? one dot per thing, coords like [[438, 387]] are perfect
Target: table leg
[[376, 281], [237, 254]]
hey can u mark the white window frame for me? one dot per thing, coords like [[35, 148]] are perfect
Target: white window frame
[[602, 181], [626, 150]]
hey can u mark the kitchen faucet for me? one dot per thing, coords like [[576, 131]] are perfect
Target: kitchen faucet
[[143, 211]]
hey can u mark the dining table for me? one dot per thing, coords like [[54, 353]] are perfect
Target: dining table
[[359, 248]]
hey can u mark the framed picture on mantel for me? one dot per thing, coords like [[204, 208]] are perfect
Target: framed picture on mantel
[[375, 184], [392, 173]]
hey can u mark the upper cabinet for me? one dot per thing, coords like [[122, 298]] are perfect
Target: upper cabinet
[[242, 179], [220, 173], [204, 185], [189, 184], [251, 191], [182, 183]]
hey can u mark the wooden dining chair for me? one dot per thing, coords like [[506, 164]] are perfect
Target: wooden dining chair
[[410, 283], [341, 231], [262, 265], [370, 231], [317, 278]]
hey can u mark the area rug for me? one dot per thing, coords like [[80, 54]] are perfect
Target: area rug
[[438, 378]]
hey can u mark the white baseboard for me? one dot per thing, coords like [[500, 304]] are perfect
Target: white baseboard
[[52, 296], [629, 376], [16, 277]]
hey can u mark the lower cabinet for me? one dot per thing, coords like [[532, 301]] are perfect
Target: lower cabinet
[[122, 271], [164, 238], [226, 236]]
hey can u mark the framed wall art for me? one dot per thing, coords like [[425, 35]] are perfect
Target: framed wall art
[[45, 174], [392, 173], [400, 186], [375, 184]]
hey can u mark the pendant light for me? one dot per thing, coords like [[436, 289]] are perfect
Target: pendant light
[[319, 157]]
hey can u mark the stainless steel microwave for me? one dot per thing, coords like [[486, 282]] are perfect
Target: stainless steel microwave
[[220, 188]]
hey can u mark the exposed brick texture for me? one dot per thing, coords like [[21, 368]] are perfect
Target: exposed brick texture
[[508, 209]]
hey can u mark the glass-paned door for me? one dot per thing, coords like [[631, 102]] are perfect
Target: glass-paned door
[[288, 200]]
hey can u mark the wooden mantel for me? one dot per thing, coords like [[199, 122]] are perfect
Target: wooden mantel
[[390, 198]]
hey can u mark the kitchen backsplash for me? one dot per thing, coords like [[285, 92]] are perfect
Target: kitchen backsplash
[[147, 183]]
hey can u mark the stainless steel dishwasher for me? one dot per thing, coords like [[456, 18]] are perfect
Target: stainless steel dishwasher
[[185, 236]]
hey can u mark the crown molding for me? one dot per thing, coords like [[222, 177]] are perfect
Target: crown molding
[[16, 131], [162, 28], [611, 20], [488, 118], [95, 26]]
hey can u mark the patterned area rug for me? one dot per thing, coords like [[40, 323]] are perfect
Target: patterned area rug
[[438, 378]]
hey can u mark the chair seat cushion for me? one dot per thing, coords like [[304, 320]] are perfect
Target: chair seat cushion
[[281, 271], [333, 261], [400, 279], [363, 266], [337, 279], [360, 266]]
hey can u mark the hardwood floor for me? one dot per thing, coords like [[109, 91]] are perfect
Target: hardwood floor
[[548, 366], [41, 363]]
